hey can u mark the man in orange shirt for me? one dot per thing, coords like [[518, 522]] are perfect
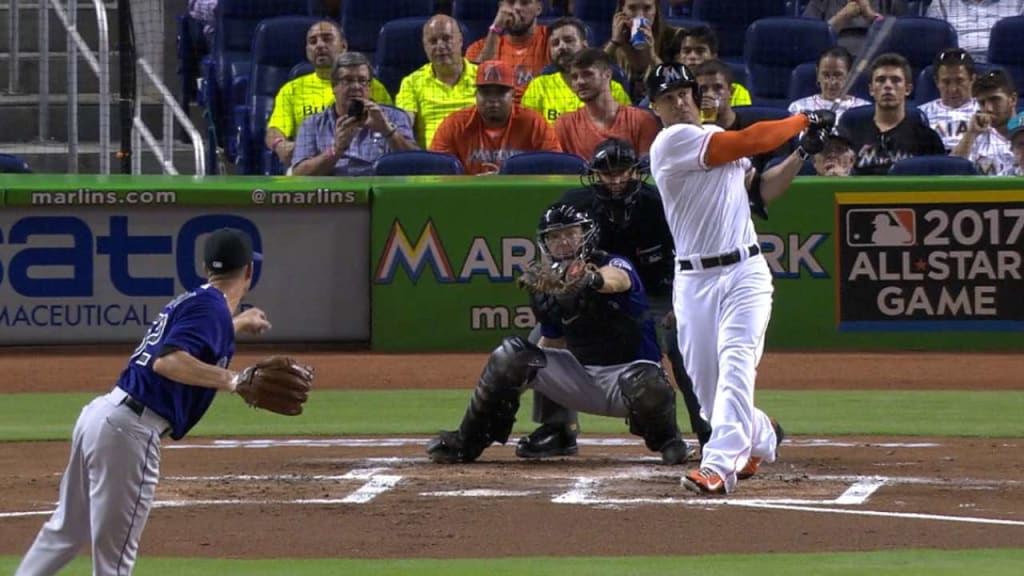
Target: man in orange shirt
[[601, 117], [483, 136], [516, 38]]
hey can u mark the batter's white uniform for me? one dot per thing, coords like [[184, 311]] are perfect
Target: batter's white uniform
[[722, 311]]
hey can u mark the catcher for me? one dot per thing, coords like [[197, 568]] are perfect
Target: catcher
[[597, 354], [170, 381]]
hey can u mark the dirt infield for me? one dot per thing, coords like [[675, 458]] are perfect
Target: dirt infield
[[380, 498]]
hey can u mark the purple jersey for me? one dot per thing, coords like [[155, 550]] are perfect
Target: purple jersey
[[198, 322]]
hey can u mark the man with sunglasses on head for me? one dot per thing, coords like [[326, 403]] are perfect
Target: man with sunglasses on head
[[986, 142], [973, 20], [950, 113], [892, 135]]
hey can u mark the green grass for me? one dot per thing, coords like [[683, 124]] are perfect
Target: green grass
[[332, 412], [889, 563]]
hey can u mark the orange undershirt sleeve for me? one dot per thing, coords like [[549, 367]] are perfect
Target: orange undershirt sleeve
[[759, 138]]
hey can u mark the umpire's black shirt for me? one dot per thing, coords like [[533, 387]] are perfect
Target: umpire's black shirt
[[639, 233]]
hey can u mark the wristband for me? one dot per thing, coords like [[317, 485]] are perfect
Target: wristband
[[802, 153], [495, 30]]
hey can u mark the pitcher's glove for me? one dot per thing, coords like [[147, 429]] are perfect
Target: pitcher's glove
[[278, 384], [560, 277]]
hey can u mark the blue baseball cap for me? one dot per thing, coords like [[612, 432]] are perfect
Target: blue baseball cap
[[1016, 125]]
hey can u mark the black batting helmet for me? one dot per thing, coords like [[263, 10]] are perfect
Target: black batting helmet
[[560, 216], [669, 76]]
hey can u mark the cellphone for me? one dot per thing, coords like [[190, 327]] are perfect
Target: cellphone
[[356, 108]]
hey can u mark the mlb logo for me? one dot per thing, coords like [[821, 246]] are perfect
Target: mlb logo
[[881, 227]]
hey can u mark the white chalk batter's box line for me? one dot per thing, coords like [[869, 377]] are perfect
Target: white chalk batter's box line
[[585, 491], [399, 442]]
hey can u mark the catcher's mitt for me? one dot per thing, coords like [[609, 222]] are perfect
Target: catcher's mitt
[[560, 277], [278, 384]]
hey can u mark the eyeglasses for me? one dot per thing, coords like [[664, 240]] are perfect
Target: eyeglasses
[[953, 56], [350, 81]]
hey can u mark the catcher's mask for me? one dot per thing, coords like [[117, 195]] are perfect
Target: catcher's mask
[[614, 171], [565, 233]]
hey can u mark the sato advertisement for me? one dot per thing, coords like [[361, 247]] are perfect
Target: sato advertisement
[[102, 275]]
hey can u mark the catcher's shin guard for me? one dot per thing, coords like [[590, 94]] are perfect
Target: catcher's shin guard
[[492, 410], [651, 402]]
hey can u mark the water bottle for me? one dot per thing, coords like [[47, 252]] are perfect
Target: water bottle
[[636, 37]]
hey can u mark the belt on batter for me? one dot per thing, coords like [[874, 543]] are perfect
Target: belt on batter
[[722, 259], [139, 409]]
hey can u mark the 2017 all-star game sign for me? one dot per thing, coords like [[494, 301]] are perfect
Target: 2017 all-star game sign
[[930, 261]]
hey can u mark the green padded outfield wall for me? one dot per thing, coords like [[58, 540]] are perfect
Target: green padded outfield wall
[[866, 263]]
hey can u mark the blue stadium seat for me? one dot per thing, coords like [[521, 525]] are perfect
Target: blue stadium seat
[[476, 16], [363, 20], [416, 163], [544, 163], [399, 51], [938, 165], [804, 82], [1006, 49], [278, 44], [730, 20], [679, 22], [925, 89], [918, 39], [226, 69], [774, 47], [598, 16], [761, 113], [11, 164]]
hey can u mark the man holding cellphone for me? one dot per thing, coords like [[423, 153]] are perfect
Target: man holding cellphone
[[348, 137]]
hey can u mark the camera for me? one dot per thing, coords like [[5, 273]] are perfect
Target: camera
[[356, 108]]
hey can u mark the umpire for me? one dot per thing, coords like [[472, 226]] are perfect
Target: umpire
[[630, 220]]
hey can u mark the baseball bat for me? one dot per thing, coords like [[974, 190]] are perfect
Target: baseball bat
[[867, 54]]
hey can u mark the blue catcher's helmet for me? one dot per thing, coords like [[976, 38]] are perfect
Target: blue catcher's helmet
[[561, 216]]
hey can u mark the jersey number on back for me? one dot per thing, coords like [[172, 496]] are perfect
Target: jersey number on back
[[152, 337]]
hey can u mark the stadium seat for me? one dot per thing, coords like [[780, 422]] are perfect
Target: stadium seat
[[416, 163], [598, 16], [804, 82], [11, 164], [730, 21], [760, 113], [679, 22], [774, 47], [938, 165], [544, 163], [278, 44], [399, 51], [363, 21], [925, 89], [1006, 49], [226, 69], [918, 39], [476, 16]]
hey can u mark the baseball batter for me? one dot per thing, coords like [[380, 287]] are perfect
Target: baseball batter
[[170, 381], [722, 294], [598, 353]]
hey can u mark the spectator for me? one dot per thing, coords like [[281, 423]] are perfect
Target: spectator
[[516, 38], [973, 20], [695, 46], [348, 137], [716, 82], [892, 135], [202, 11], [441, 86], [987, 140], [550, 93], [836, 159], [852, 18], [601, 117], [482, 137], [950, 113], [1016, 130], [312, 93], [832, 69], [634, 58]]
